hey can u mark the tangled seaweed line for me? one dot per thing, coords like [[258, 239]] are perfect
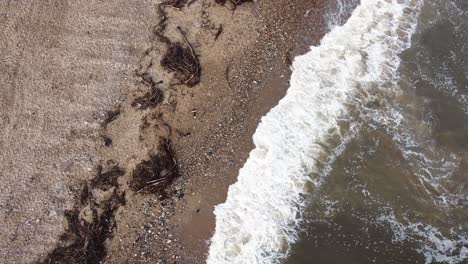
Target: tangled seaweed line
[[85, 241]]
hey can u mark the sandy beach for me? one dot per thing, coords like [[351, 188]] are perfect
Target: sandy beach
[[86, 102]]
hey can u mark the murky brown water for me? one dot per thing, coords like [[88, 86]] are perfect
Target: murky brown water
[[399, 191]]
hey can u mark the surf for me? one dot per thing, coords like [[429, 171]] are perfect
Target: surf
[[298, 139]]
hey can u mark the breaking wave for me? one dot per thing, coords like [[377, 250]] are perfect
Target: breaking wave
[[297, 139]]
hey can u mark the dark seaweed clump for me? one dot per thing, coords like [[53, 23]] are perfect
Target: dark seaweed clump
[[87, 239], [105, 180], [183, 62], [110, 116], [85, 242], [107, 141], [157, 173], [150, 99]]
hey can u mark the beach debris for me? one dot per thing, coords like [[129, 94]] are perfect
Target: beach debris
[[288, 57], [234, 2], [144, 123], [146, 78], [182, 134], [90, 224], [162, 24], [178, 4], [150, 99], [218, 32], [111, 115], [157, 173], [182, 61], [179, 59], [189, 3], [84, 242], [226, 75], [105, 180], [107, 141], [154, 96]]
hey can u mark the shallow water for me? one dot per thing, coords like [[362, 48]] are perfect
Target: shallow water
[[398, 192]]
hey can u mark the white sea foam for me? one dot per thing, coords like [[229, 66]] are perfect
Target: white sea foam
[[435, 246], [431, 163], [337, 16], [295, 140]]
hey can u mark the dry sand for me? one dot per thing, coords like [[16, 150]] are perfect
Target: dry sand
[[64, 64]]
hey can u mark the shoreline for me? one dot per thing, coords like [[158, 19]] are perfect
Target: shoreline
[[244, 73], [210, 179], [125, 123]]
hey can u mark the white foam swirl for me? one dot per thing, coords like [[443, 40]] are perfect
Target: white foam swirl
[[435, 247], [259, 220]]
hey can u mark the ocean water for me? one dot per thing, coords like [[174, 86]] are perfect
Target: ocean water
[[365, 160]]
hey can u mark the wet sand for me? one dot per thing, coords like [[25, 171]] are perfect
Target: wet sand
[[64, 65], [260, 80]]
